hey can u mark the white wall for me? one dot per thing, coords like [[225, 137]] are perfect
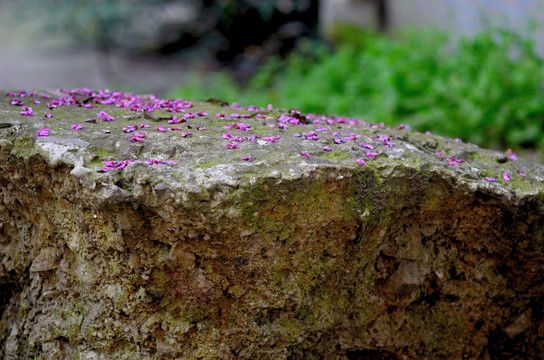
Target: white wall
[[457, 16]]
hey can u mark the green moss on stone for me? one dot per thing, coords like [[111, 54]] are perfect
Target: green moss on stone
[[336, 155]]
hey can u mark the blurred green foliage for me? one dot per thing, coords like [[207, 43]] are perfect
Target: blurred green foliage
[[486, 89]]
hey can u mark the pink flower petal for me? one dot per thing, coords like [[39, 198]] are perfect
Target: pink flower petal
[[512, 155], [360, 162], [42, 132], [103, 115]]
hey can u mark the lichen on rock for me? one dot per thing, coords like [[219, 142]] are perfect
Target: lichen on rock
[[133, 227]]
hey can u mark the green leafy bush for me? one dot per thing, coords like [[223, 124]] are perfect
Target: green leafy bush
[[487, 89]]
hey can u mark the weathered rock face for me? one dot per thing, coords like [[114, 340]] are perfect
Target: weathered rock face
[[413, 255]]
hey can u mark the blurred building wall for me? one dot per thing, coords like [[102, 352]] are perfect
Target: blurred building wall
[[460, 17]]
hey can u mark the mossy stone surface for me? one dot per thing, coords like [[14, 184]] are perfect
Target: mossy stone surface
[[203, 255]]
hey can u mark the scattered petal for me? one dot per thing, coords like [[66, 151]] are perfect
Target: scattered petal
[[27, 111], [360, 162], [453, 161], [176, 120], [246, 158], [77, 126], [158, 162], [243, 127], [506, 176], [42, 132], [271, 139], [512, 155], [310, 135], [105, 116], [490, 179], [306, 155], [326, 148]]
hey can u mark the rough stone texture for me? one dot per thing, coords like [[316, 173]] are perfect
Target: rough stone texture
[[284, 257]]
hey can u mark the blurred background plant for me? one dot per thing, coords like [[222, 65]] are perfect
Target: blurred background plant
[[484, 86]]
